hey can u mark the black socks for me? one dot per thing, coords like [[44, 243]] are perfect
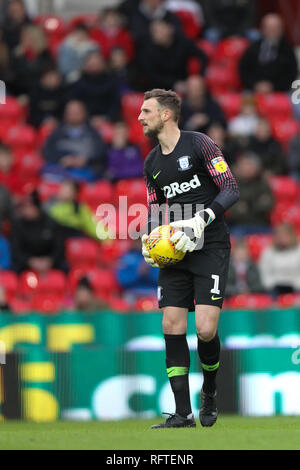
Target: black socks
[[178, 363], [209, 354]]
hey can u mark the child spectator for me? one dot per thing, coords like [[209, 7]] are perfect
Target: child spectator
[[85, 300], [246, 122], [124, 159], [279, 264]]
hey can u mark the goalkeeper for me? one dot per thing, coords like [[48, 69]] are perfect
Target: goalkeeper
[[188, 170]]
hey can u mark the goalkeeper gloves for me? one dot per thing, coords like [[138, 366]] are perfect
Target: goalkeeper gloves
[[198, 223], [145, 253]]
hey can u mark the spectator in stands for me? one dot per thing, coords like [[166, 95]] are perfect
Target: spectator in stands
[[5, 254], [6, 206], [267, 148], [243, 274], [163, 58], [134, 276], [279, 264], [199, 110], [73, 51], [269, 64], [84, 298], [10, 176], [110, 33], [36, 241], [4, 305], [246, 122], [6, 74], [97, 88], [46, 99], [140, 14], [293, 157], [124, 71], [251, 213], [228, 146], [75, 149], [124, 159], [225, 18], [16, 17], [29, 59], [75, 218]]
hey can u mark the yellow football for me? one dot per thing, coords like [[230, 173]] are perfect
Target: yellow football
[[160, 247]]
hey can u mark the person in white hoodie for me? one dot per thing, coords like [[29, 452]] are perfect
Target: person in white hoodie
[[279, 264]]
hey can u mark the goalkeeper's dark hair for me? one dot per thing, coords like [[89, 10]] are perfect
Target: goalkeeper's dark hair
[[167, 99]]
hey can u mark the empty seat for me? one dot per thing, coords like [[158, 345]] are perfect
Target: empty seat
[[29, 164], [284, 188], [288, 300], [51, 283], [251, 301], [274, 104], [82, 252], [52, 25], [11, 113], [222, 77], [134, 189], [147, 304], [96, 193], [9, 280], [230, 49], [230, 103], [45, 303], [21, 137], [189, 23], [284, 129]]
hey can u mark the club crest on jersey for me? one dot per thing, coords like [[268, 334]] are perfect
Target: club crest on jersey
[[184, 163], [219, 164]]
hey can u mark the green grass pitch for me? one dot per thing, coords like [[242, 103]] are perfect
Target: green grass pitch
[[229, 433]]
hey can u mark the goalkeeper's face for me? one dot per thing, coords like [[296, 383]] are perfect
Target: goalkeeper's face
[[151, 118]]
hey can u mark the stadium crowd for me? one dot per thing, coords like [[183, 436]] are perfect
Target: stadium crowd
[[70, 141]]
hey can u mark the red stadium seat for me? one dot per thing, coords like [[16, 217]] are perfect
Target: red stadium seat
[[82, 252], [21, 137], [284, 129], [118, 304], [106, 130], [9, 280], [207, 47], [251, 301], [221, 78], [47, 190], [257, 243], [230, 49], [11, 113], [189, 23], [137, 137], [52, 25], [134, 189], [289, 300], [102, 280], [20, 306], [131, 105], [29, 164], [94, 194], [230, 103], [284, 188], [44, 303], [51, 283], [111, 251], [274, 104], [147, 304]]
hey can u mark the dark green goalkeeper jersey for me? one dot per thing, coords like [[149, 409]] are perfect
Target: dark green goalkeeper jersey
[[194, 176]]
